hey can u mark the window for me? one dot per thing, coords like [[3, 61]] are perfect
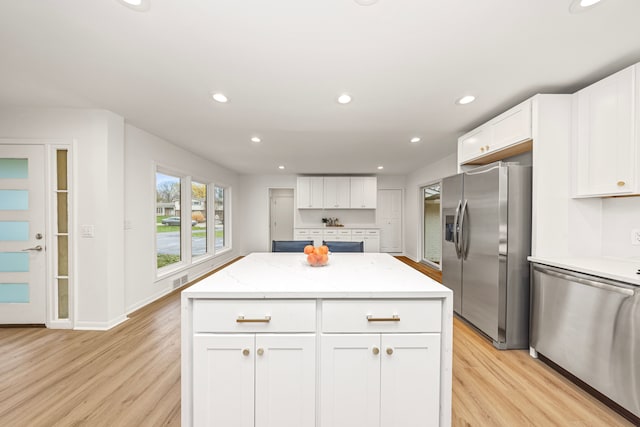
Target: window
[[199, 235], [432, 227], [168, 220], [220, 210], [184, 218]]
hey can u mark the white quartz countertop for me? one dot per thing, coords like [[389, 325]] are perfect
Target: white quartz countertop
[[347, 275], [623, 270], [333, 227]]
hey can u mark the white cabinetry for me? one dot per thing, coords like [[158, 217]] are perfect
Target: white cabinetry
[[503, 136], [337, 190], [243, 372], [370, 237], [391, 372], [310, 192], [606, 144], [364, 191]]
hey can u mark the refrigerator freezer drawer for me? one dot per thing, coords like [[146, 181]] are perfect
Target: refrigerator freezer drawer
[[590, 327]]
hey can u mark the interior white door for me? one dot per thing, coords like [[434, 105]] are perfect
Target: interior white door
[[281, 214], [390, 220], [22, 235]]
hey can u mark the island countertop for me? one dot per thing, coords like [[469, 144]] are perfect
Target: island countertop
[[348, 275]]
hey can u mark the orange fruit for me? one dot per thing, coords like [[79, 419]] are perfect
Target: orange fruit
[[311, 259], [308, 249], [324, 258], [317, 251], [324, 249]]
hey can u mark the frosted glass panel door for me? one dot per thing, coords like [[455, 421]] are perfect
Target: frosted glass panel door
[[22, 243]]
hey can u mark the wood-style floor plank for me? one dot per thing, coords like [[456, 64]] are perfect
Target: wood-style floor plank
[[130, 376]]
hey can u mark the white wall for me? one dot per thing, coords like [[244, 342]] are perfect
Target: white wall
[[143, 152], [97, 192], [254, 209], [619, 217], [413, 200]]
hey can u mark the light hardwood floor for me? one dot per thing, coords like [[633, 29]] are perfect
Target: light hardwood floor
[[130, 376]]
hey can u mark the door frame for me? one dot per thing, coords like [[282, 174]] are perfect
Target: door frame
[[421, 252], [293, 216], [50, 147]]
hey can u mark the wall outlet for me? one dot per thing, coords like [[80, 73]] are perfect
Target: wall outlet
[[635, 237]]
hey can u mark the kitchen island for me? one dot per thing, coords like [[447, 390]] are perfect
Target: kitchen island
[[271, 341]]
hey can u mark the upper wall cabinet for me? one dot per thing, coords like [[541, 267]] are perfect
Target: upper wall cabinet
[[364, 192], [504, 136], [606, 143], [310, 192], [337, 191]]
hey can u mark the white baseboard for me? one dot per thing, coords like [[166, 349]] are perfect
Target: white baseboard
[[148, 300], [60, 324], [99, 326]]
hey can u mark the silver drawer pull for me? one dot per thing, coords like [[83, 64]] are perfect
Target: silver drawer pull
[[241, 319], [394, 318]]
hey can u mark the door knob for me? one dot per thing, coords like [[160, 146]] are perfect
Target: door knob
[[375, 350], [389, 351], [35, 248], [245, 352]]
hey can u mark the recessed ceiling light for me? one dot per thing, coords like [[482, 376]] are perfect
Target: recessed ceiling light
[[139, 5], [578, 6], [366, 2], [415, 139], [380, 168], [255, 139], [220, 97], [344, 99], [467, 99], [281, 167]]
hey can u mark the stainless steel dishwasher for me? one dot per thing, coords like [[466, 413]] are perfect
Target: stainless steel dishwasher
[[589, 326]]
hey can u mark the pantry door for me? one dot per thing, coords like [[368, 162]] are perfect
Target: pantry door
[[22, 235]]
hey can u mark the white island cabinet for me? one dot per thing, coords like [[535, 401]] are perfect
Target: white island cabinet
[[270, 341]]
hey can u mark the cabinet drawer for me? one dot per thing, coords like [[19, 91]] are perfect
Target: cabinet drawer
[[369, 316], [315, 233], [373, 232], [301, 232], [358, 233], [254, 316], [344, 232]]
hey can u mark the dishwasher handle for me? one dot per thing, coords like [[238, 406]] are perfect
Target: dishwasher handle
[[588, 282]]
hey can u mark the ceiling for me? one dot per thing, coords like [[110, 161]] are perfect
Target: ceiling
[[283, 63]]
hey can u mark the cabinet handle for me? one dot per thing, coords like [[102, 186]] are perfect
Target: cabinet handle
[[260, 351], [394, 318], [621, 183], [241, 319], [389, 351], [486, 147], [482, 149], [375, 350], [245, 352]]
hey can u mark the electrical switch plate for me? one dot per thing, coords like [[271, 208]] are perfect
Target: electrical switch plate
[[635, 237], [87, 231]]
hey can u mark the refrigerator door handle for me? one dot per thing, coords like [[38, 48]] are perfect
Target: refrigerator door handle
[[456, 240], [463, 249]]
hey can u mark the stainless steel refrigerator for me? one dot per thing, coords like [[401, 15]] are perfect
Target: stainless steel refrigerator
[[486, 219]]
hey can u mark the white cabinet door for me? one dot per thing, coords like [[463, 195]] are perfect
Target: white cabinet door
[[499, 138], [605, 147], [310, 192], [511, 127], [364, 192], [372, 243], [410, 386], [223, 391], [350, 380], [285, 380], [473, 144], [337, 190], [390, 220]]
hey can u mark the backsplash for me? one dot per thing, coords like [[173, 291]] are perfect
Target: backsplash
[[619, 217], [347, 217]]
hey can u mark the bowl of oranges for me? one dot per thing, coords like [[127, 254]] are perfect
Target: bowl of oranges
[[317, 256]]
